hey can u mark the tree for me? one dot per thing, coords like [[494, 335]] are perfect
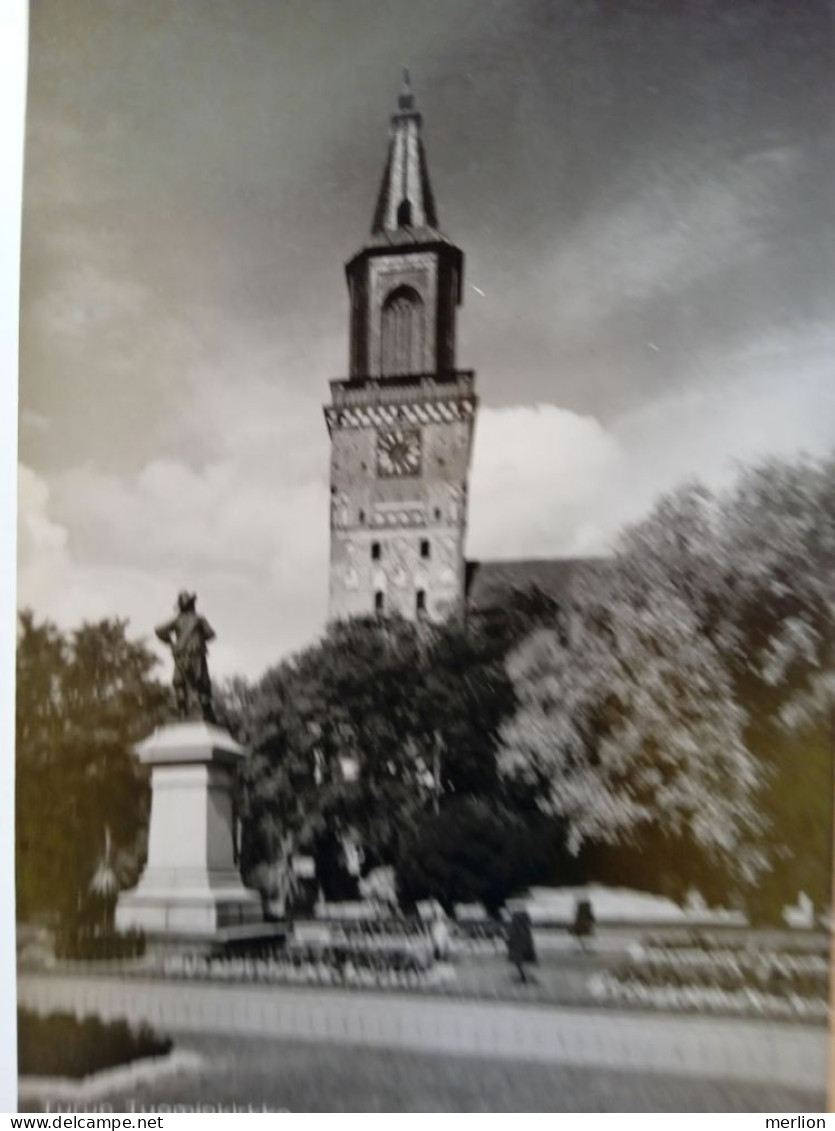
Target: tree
[[633, 727], [697, 681], [330, 733], [84, 699], [361, 734], [778, 535]]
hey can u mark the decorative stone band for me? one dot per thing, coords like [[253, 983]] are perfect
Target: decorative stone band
[[380, 415], [404, 516], [393, 516]]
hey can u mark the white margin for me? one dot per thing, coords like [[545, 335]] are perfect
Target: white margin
[[13, 57]]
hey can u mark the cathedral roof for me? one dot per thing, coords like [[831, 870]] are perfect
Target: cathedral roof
[[489, 584], [405, 211]]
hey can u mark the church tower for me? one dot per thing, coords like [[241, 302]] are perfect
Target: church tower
[[401, 424]]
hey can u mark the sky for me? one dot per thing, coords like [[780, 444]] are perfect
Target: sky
[[643, 193]]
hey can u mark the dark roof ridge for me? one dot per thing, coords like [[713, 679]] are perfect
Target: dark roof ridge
[[488, 583]]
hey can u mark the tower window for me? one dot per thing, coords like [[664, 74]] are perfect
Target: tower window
[[424, 548], [376, 551], [404, 214], [437, 514], [420, 601], [379, 601], [362, 516], [402, 329]]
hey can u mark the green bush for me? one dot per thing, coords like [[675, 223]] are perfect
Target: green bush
[[59, 1044]]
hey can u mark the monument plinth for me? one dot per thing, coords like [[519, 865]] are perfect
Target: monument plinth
[[191, 884]]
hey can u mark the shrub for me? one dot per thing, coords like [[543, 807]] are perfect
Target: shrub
[[471, 852], [60, 1044]]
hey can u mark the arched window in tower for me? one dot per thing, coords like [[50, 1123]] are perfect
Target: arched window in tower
[[402, 332], [404, 214]]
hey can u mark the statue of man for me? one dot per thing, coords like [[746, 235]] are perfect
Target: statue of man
[[187, 635]]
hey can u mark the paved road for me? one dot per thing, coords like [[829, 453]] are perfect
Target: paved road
[[278, 1075], [723, 1049]]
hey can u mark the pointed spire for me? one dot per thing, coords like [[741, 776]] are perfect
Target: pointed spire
[[406, 101], [405, 202]]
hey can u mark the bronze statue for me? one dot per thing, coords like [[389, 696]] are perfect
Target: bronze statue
[[187, 635]]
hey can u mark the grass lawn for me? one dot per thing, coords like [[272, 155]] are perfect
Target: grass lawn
[[278, 1075]]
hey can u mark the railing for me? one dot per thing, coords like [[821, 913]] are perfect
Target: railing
[[401, 390]]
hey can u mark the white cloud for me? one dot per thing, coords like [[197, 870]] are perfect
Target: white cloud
[[38, 532], [547, 482], [773, 397], [248, 528], [234, 504], [257, 558], [536, 471]]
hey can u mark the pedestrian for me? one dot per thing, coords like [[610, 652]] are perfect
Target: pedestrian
[[520, 948], [584, 922], [440, 936]]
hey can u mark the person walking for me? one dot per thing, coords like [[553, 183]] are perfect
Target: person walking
[[520, 948], [584, 923]]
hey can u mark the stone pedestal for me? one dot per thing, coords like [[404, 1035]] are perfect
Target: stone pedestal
[[191, 885]]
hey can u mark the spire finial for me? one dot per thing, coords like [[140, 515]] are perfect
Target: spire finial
[[406, 101], [405, 202]]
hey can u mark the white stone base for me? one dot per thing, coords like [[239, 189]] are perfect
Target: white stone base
[[199, 911], [191, 884]]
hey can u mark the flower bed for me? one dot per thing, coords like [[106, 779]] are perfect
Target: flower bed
[[617, 990], [772, 972], [708, 942], [59, 1044], [743, 977], [376, 964]]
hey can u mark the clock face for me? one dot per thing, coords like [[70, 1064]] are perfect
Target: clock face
[[398, 452]]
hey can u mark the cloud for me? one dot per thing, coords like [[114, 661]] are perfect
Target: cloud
[[38, 535], [685, 224], [257, 557], [247, 527], [36, 421], [234, 505], [547, 481], [536, 471], [772, 397]]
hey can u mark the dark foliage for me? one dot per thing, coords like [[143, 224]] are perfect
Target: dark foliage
[[86, 944], [472, 852], [83, 699], [413, 711], [60, 1044]]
